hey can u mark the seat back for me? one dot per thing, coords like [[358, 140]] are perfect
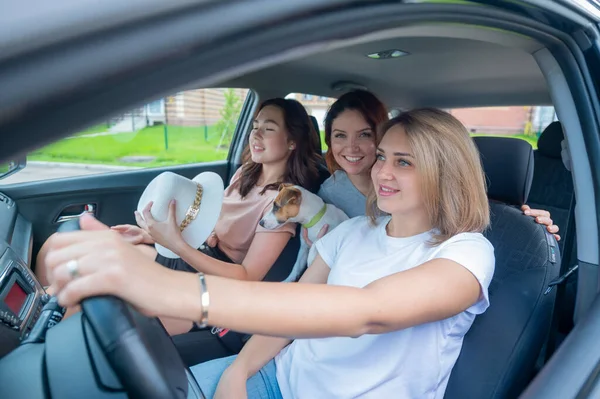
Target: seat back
[[323, 171], [318, 130], [500, 350], [552, 189], [552, 185]]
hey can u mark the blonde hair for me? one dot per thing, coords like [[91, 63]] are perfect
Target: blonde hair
[[449, 167]]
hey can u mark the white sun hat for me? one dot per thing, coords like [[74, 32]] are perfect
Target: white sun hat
[[198, 204]]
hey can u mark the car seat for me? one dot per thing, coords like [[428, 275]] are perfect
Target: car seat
[[500, 350]]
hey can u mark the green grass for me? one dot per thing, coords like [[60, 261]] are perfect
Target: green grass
[[529, 139], [323, 145], [185, 145]]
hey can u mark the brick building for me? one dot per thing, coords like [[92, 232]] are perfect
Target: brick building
[[200, 107], [494, 120], [203, 107], [316, 106], [505, 120]]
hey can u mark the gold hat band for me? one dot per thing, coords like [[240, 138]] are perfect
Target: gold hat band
[[193, 210]]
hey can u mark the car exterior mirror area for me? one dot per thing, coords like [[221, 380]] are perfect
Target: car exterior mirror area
[[12, 166]]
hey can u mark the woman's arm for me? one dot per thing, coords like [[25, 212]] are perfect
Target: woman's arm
[[260, 349], [432, 291], [435, 290], [262, 254]]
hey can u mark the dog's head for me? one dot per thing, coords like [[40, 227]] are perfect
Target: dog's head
[[285, 207]]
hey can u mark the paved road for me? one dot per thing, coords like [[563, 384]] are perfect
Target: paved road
[[35, 171]]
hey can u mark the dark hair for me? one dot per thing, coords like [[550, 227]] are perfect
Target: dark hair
[[302, 164], [365, 102]]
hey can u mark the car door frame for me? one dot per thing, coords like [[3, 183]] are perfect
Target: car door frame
[[297, 26], [113, 195], [574, 369]]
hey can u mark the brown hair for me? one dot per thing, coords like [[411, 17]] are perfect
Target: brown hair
[[365, 102], [302, 164], [449, 167]]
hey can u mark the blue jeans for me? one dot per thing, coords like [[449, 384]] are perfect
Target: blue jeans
[[262, 385]]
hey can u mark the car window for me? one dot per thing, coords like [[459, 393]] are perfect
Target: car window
[[188, 127], [316, 106], [522, 122]]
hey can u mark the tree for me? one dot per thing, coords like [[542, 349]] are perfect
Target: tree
[[230, 114]]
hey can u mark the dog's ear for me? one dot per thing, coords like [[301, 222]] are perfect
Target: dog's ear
[[289, 197], [292, 200], [284, 185]]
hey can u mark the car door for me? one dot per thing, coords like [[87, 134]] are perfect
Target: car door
[[186, 63], [104, 169], [572, 372]]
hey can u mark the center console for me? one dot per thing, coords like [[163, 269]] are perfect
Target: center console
[[21, 299]]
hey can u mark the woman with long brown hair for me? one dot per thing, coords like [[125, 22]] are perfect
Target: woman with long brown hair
[[280, 150]]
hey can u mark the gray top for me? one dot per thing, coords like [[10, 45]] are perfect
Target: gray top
[[339, 191]]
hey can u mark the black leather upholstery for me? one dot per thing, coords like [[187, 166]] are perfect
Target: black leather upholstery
[[508, 165], [552, 186], [501, 348], [323, 171], [552, 190], [282, 267], [549, 140], [316, 125]]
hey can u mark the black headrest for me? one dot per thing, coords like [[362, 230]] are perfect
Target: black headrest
[[508, 166], [549, 141], [316, 125]]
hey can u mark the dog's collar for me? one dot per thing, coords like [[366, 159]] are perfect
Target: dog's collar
[[316, 218]]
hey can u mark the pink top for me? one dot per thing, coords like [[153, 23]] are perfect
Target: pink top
[[239, 219]]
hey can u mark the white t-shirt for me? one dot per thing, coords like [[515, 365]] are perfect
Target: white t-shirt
[[410, 363]]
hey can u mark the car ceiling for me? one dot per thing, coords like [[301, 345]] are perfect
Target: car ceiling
[[450, 64], [447, 66]]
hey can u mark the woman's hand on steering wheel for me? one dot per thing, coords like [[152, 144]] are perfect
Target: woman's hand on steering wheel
[[97, 261]]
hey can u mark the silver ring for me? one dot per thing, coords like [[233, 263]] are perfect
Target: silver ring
[[73, 268]]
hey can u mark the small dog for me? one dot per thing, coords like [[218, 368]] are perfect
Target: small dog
[[296, 204]]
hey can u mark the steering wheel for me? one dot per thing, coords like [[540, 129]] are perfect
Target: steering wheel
[[137, 347]]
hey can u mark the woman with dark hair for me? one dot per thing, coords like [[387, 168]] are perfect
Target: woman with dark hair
[[301, 167], [280, 150], [351, 135]]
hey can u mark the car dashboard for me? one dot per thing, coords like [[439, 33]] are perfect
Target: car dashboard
[[42, 368], [21, 295]]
